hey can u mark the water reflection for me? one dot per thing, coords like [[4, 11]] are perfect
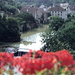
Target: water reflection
[[30, 40], [36, 42]]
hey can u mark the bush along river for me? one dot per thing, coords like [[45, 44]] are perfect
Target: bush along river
[[29, 40]]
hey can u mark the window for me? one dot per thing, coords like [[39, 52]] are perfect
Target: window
[[58, 14], [52, 14]]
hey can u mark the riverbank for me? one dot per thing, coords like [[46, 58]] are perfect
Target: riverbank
[[31, 34]]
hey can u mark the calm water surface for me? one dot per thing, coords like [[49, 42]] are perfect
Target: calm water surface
[[30, 39]]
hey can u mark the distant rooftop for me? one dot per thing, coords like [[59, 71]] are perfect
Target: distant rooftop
[[56, 9], [72, 7]]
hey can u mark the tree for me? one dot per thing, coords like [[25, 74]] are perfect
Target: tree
[[42, 18], [56, 22], [24, 3], [10, 30], [48, 14], [63, 38], [69, 16], [1, 28], [11, 9], [19, 5], [48, 2], [66, 35], [27, 20]]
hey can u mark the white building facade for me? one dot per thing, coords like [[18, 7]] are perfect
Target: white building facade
[[58, 11]]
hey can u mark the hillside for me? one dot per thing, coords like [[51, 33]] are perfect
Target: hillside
[[48, 2], [8, 6]]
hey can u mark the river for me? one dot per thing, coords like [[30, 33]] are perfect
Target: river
[[30, 39]]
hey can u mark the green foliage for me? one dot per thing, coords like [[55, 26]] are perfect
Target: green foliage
[[9, 27], [66, 34], [63, 38], [12, 30], [69, 15], [11, 9], [24, 3], [47, 3], [56, 22], [19, 5], [9, 6], [9, 30], [42, 18], [53, 72], [27, 20], [48, 14], [1, 27]]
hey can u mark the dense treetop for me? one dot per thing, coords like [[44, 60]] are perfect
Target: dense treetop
[[9, 29], [9, 6], [48, 2], [60, 34]]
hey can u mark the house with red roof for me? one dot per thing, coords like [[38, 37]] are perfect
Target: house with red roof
[[58, 11], [38, 13], [31, 9], [69, 8]]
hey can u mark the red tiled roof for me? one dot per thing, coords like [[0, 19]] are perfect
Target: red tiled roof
[[56, 9], [23, 9], [30, 9]]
